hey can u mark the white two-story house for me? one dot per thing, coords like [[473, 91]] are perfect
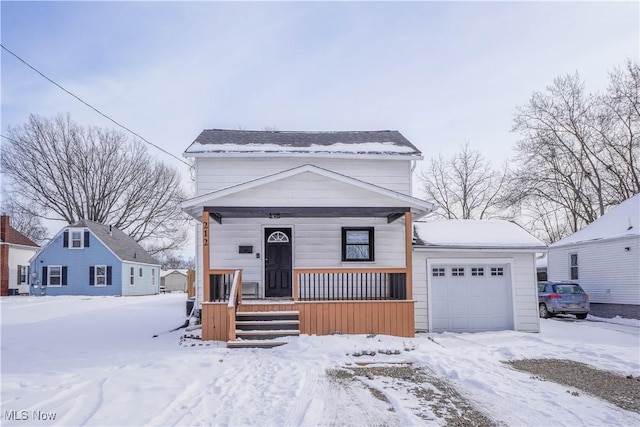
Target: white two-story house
[[315, 225]]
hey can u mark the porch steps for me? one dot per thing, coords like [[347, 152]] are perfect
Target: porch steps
[[261, 329]]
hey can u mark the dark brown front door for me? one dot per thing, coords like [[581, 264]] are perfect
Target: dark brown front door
[[277, 262]]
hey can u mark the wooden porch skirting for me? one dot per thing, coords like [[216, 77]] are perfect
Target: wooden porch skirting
[[323, 317]]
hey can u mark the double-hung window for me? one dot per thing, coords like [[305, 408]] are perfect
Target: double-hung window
[[23, 274], [101, 275], [573, 266], [54, 273], [76, 238], [132, 276], [357, 244]]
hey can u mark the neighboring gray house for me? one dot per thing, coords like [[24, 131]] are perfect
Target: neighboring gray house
[[604, 257], [88, 258], [173, 280]]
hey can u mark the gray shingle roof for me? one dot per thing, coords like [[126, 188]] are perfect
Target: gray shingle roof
[[125, 247], [370, 142]]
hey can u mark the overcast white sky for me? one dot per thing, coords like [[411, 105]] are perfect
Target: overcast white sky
[[439, 72]]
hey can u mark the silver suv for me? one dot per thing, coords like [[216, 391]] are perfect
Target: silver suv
[[562, 298]]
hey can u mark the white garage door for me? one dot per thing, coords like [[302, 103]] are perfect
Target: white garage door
[[470, 297]]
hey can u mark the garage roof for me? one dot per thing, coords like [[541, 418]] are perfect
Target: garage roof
[[475, 234]]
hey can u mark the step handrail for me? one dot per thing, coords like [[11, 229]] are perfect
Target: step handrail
[[235, 298]]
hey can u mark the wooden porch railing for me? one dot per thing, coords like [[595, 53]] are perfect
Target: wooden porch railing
[[350, 284], [219, 285], [235, 298]]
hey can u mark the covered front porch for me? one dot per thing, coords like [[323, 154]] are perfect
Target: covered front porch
[[325, 301], [340, 263]]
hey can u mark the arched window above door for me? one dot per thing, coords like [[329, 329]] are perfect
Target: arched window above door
[[278, 237]]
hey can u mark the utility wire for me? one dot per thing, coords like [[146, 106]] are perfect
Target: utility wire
[[93, 108]]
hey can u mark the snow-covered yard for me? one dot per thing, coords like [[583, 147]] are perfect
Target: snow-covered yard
[[94, 361]]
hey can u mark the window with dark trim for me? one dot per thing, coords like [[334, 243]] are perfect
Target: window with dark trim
[[54, 275], [23, 274], [100, 275], [132, 276], [357, 244], [75, 238], [573, 266]]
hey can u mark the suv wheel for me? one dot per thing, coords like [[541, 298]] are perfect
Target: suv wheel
[[544, 313], [581, 316]]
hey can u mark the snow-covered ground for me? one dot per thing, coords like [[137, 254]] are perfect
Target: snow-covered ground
[[94, 361]]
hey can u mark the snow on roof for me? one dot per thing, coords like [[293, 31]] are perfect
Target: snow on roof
[[354, 142], [182, 271], [621, 221], [542, 261], [475, 234]]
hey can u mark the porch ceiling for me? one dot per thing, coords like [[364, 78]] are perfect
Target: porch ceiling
[[218, 213]]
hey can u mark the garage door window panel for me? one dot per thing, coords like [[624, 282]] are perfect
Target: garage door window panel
[[438, 272], [457, 271], [477, 271]]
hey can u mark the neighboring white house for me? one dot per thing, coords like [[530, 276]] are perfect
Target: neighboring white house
[[15, 252], [173, 280], [604, 257], [475, 275]]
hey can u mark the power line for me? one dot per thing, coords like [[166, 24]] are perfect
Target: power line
[[94, 108]]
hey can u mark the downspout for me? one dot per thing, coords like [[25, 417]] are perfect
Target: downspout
[[414, 165]]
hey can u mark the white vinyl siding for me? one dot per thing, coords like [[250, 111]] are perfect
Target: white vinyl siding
[[19, 255], [146, 283], [608, 272], [216, 173], [317, 242], [307, 190]]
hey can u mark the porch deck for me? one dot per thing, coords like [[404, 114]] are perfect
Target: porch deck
[[384, 312], [322, 317]]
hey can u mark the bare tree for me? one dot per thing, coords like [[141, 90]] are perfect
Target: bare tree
[[23, 220], [579, 152], [464, 186], [61, 170], [170, 260]]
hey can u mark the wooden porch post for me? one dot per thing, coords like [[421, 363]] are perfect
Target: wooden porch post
[[205, 257], [408, 240]]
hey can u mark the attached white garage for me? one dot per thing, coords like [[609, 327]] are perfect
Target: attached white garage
[[472, 276]]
